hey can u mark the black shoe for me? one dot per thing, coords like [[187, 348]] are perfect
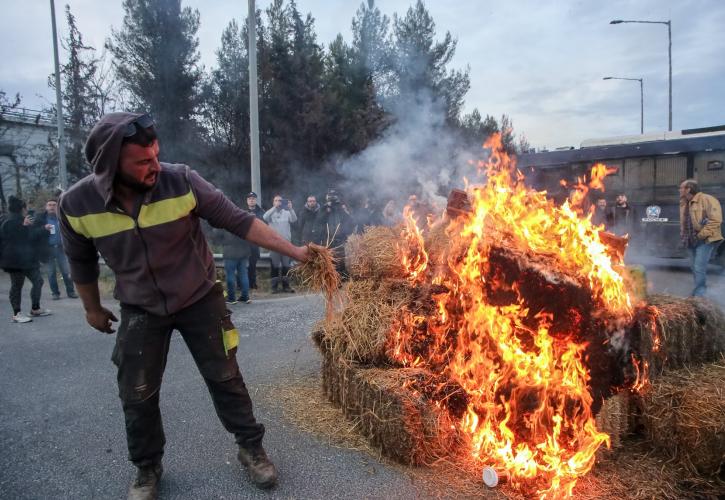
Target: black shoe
[[72, 295], [146, 485], [288, 290], [274, 290], [260, 469]]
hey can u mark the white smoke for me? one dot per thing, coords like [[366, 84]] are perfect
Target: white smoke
[[418, 154]]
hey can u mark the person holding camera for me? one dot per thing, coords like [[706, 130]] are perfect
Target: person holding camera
[[280, 218], [334, 225], [21, 239]]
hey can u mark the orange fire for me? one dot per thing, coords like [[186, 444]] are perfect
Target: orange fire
[[529, 402]]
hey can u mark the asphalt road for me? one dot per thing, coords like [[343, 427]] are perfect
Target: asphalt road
[[61, 425], [62, 431]]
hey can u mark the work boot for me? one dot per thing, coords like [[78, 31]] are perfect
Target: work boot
[[260, 469], [146, 485]]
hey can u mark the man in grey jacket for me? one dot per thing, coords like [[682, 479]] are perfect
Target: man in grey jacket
[[280, 217], [143, 216]]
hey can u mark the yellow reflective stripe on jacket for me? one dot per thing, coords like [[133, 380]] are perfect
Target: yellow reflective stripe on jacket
[[100, 225], [168, 210], [153, 214]]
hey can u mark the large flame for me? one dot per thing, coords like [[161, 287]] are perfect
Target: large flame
[[529, 404]]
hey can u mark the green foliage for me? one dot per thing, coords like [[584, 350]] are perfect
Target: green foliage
[[317, 105], [156, 58]]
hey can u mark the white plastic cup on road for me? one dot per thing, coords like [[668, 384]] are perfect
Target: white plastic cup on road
[[491, 478]]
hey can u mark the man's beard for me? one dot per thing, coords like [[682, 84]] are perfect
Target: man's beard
[[132, 183]]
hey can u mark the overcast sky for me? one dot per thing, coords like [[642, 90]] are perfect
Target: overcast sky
[[540, 61]]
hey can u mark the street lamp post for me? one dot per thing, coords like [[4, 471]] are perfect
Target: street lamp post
[[253, 101], [62, 173], [641, 98], [669, 53]]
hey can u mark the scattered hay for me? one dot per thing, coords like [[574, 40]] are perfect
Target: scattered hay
[[319, 275], [683, 413], [636, 471], [673, 332], [374, 254]]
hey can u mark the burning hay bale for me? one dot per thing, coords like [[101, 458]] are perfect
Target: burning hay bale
[[684, 416], [674, 332], [502, 328]]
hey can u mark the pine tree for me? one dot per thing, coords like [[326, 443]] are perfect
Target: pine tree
[[80, 110], [156, 58], [420, 62]]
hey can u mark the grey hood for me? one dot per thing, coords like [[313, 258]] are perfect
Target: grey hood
[[103, 149]]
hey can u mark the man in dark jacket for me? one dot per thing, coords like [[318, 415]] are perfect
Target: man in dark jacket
[[306, 221], [22, 238], [55, 260], [622, 216], [254, 209], [235, 252], [143, 217]]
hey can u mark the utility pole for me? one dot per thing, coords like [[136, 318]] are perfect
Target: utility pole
[[62, 173], [253, 101]]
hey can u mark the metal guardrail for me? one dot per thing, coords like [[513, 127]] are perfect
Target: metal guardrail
[[31, 116]]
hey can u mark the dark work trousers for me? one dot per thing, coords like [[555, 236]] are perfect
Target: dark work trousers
[[253, 258], [142, 346], [17, 279]]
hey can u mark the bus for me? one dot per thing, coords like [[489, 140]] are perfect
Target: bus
[[648, 169]]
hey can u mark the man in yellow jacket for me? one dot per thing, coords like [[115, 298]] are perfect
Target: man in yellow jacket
[[700, 221]]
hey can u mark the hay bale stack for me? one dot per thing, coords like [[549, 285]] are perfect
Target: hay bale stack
[[391, 413], [359, 332], [373, 254], [683, 414], [673, 332]]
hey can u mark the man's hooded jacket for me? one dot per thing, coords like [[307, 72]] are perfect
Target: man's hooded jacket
[[160, 257]]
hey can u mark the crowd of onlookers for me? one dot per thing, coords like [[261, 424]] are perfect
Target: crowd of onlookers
[[327, 222]]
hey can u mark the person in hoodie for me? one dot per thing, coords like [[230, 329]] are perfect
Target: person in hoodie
[[306, 221], [280, 218], [22, 240], [143, 217]]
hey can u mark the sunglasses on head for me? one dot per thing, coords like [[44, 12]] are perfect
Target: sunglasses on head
[[143, 121]]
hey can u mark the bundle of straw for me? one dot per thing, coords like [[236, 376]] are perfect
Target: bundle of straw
[[676, 332], [318, 274], [684, 415]]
